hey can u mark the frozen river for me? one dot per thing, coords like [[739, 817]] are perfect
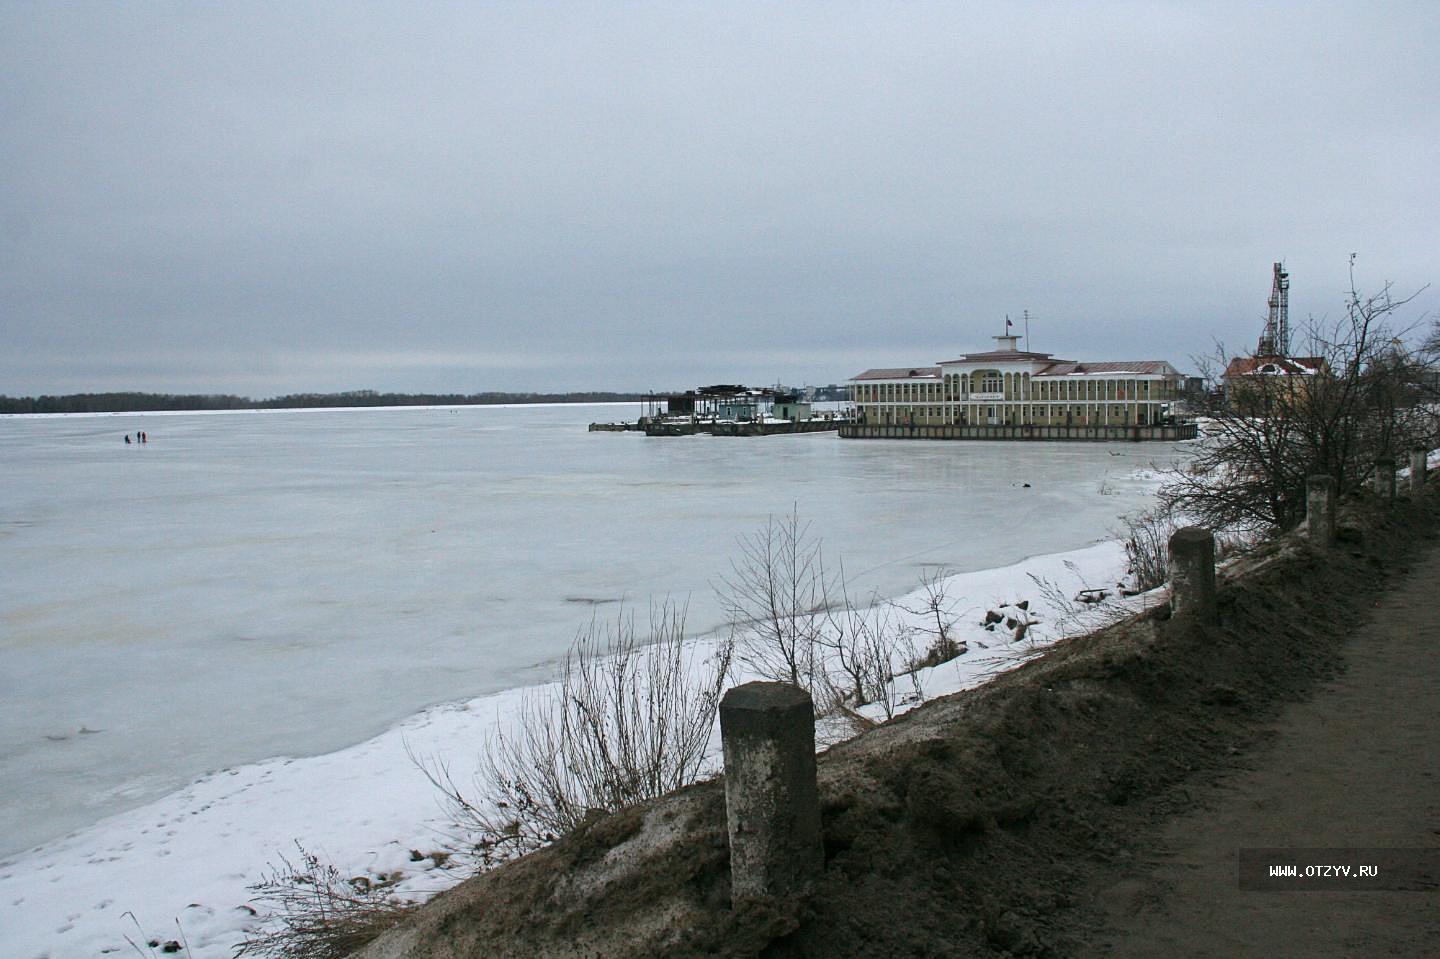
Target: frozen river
[[256, 584]]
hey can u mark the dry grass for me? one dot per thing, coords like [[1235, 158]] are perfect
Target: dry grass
[[310, 910], [630, 719]]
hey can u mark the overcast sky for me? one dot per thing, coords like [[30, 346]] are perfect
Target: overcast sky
[[267, 198]]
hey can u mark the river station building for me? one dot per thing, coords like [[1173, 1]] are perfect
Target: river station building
[[1009, 393]]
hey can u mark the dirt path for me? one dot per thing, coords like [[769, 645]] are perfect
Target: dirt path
[[1357, 765]]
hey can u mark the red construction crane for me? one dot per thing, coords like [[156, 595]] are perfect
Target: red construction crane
[[1276, 339]]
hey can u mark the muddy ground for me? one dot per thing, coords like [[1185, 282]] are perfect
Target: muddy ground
[[1055, 812]]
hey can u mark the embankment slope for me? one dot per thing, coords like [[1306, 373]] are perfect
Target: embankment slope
[[1020, 818]]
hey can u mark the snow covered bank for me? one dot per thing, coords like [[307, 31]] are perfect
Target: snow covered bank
[[179, 869]]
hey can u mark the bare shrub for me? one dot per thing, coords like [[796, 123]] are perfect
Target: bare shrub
[[776, 597], [1147, 547], [936, 615], [310, 910], [859, 650], [630, 719]]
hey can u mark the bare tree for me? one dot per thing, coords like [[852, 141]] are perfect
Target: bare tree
[[776, 597], [936, 618], [1285, 421], [859, 649], [630, 719], [793, 621]]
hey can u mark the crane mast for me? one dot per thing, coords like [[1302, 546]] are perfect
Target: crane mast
[[1276, 339]]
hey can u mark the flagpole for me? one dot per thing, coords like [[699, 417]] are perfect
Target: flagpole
[[1027, 331]]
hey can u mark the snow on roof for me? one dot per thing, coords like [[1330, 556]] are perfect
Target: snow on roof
[[900, 373], [1110, 368], [1275, 366], [1004, 356], [1050, 368]]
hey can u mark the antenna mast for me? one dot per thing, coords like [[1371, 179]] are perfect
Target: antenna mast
[[1276, 341]]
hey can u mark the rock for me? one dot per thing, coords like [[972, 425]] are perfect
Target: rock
[[1221, 695], [992, 617], [1014, 933]]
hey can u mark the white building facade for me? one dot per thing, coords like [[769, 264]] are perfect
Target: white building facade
[[1012, 393]]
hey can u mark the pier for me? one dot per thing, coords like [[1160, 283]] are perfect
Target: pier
[[753, 428], [728, 410], [957, 431]]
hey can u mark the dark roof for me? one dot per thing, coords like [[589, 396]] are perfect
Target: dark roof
[[900, 373], [1051, 367], [1071, 368]]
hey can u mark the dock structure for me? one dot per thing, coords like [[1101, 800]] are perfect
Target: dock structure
[[874, 431], [723, 428], [728, 410]]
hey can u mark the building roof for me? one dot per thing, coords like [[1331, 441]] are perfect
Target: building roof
[[1109, 368], [1275, 366], [1005, 356], [1052, 368], [900, 373]]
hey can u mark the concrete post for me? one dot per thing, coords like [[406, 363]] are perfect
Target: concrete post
[[1418, 457], [1320, 509], [1385, 479], [1192, 574], [772, 804]]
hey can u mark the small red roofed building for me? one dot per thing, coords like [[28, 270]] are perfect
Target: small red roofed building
[[1271, 377], [1257, 384]]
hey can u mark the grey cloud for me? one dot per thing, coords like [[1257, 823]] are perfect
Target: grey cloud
[[624, 196]]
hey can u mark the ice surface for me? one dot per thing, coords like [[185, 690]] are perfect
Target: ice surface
[[180, 868], [273, 584]]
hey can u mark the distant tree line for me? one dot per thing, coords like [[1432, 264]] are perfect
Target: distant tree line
[[156, 402]]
